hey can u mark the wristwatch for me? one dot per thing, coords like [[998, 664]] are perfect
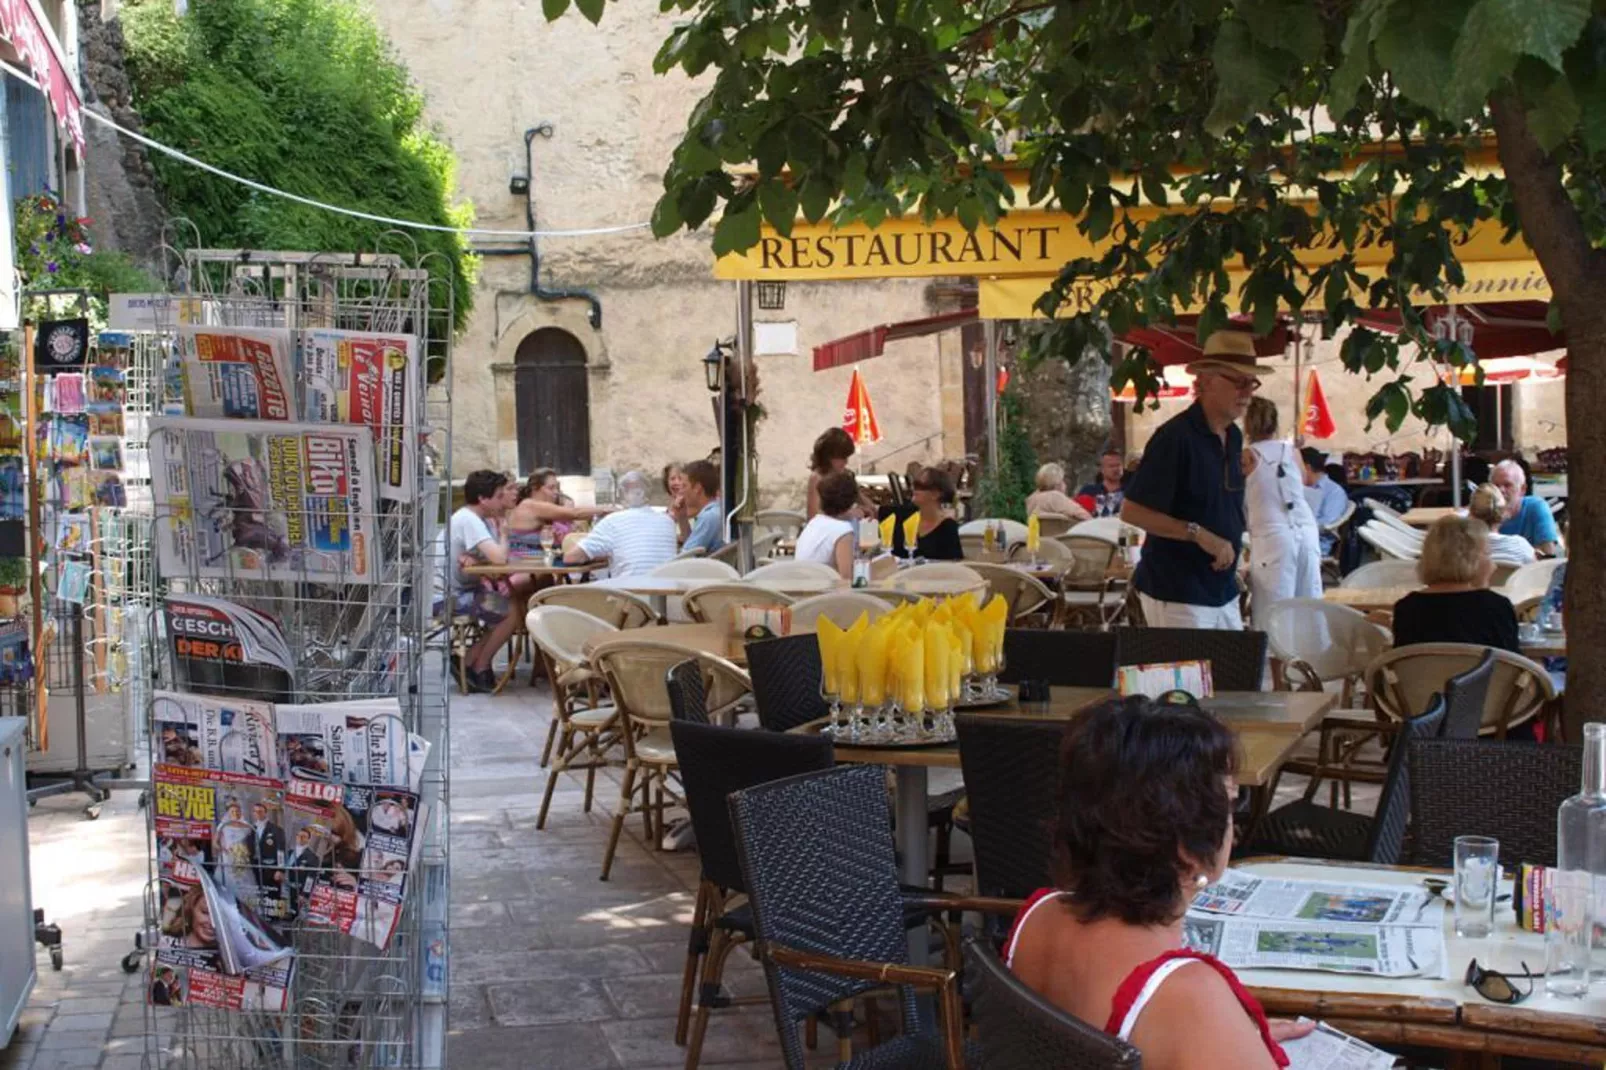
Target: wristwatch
[[1193, 532]]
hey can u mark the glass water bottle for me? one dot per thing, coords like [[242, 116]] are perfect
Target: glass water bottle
[[1578, 886]]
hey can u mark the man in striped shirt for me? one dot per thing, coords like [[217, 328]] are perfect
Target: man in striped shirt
[[635, 540]]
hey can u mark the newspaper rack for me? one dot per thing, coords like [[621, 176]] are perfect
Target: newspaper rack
[[293, 645]]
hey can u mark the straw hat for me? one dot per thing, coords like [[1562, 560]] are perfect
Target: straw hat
[[1230, 351]]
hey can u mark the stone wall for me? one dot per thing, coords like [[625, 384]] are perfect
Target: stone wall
[[120, 186], [1067, 412]]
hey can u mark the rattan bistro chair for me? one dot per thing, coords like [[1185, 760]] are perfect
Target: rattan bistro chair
[[1502, 788], [696, 568], [619, 608], [1024, 593], [1063, 658], [583, 729], [1012, 771], [1093, 597], [822, 878], [636, 670], [1237, 659], [841, 607], [1402, 678], [716, 603], [1017, 1029]]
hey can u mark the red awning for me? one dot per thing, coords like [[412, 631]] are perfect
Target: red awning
[[1497, 329], [1171, 345], [25, 27], [872, 342]]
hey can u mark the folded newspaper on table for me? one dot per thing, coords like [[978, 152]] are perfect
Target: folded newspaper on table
[[357, 377], [1244, 895], [1329, 1049], [237, 372], [1335, 947], [254, 499]]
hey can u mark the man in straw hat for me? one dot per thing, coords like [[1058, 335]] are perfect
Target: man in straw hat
[[1188, 494]]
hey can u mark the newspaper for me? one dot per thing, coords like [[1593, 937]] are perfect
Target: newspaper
[[1335, 947], [1244, 895], [237, 372], [362, 742], [355, 377], [222, 647], [253, 499], [1330, 1049]]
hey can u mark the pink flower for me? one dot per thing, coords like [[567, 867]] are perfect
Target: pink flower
[[84, 247]]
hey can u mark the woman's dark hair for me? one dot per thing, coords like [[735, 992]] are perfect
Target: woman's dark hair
[[838, 492], [482, 486], [1141, 795], [832, 445], [537, 480], [935, 479]]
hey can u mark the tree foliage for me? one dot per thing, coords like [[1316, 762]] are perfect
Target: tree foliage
[[304, 96], [1003, 493]]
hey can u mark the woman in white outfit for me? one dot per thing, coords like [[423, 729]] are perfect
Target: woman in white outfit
[[1285, 556]]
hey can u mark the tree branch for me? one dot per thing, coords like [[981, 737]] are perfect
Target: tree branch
[[1550, 221]]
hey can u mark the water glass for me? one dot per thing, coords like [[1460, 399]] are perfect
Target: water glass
[[1477, 872], [1569, 925]]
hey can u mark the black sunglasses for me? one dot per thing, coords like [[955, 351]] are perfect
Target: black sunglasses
[[1496, 987]]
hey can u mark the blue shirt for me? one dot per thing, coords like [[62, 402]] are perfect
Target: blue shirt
[[1328, 501], [1533, 522], [707, 529], [1187, 474]]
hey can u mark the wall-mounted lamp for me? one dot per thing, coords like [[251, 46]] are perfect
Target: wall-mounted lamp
[[714, 367], [519, 185]]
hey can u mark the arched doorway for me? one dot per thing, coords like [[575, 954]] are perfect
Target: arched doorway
[[551, 398]]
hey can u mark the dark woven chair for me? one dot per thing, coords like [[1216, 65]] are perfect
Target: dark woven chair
[[1019, 1030], [1306, 829], [822, 880], [1502, 788], [1237, 659], [1063, 658], [715, 761], [1012, 769], [786, 677], [1465, 695], [688, 698]]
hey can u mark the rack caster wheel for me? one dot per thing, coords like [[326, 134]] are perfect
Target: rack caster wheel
[[144, 799], [55, 958], [132, 961]]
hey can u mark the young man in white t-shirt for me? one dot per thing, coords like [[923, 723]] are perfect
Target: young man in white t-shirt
[[473, 540]]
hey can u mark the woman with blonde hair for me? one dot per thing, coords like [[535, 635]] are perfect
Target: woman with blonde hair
[[1456, 605], [1488, 505], [1050, 496]]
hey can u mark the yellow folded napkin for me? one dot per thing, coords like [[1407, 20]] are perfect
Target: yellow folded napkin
[[1034, 533], [873, 664], [937, 677], [911, 532], [830, 639], [887, 526]]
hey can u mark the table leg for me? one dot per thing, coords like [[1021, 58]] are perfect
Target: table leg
[[913, 840], [660, 605]]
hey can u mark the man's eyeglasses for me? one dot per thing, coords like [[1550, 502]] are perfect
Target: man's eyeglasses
[[1496, 987], [1242, 384]]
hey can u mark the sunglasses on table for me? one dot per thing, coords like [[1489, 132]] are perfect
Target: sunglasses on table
[[1497, 987]]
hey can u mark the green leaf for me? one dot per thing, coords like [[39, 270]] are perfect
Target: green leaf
[[1543, 29], [591, 9], [1247, 76], [1554, 116], [554, 8], [1482, 56], [1154, 189], [1586, 72], [815, 198], [1412, 47], [1100, 214], [666, 216], [779, 202], [1356, 67], [1291, 25], [738, 229]]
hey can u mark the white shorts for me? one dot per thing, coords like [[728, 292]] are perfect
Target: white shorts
[[1160, 614]]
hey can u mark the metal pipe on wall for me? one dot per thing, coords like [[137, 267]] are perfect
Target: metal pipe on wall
[[990, 373], [744, 353]]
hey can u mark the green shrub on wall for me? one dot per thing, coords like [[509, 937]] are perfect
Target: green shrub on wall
[[304, 96], [1004, 494], [55, 251]]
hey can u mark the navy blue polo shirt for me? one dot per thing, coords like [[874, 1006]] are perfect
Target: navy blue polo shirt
[[1187, 474]]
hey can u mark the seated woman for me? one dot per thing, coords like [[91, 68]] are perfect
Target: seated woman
[[1456, 606], [1050, 496], [539, 510], [1145, 822], [1488, 504], [831, 536], [933, 494]]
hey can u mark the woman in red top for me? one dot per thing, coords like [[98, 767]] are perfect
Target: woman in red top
[[1145, 821]]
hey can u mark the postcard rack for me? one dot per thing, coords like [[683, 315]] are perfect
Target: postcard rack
[[327, 617]]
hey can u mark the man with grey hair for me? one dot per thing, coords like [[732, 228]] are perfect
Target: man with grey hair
[[635, 540], [1526, 515]]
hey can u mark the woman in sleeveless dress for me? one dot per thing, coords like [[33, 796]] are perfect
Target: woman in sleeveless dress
[[1145, 821]]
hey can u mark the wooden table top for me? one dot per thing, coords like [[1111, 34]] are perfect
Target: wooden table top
[[1426, 517], [533, 566]]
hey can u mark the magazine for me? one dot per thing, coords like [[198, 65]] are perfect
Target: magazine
[[1327, 1048], [214, 952], [223, 647], [357, 742], [1244, 895], [355, 377], [185, 801], [1336, 947], [237, 372], [252, 499], [364, 844]]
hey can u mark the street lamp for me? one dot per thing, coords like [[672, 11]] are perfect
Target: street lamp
[[714, 367]]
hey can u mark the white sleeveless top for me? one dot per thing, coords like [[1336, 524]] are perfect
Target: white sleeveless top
[[1275, 499], [817, 540]]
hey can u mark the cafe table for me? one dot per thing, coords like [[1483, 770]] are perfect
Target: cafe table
[[1427, 516], [1436, 1013]]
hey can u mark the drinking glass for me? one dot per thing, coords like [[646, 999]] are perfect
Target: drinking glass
[[1477, 871], [1569, 910]]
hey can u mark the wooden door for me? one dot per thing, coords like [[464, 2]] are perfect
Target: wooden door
[[552, 402]]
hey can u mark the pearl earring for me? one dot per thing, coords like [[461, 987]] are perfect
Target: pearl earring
[[1201, 882]]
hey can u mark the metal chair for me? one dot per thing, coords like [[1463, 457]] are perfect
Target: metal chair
[[817, 857], [1237, 659], [1012, 769], [1024, 593], [787, 523], [842, 608], [1401, 679], [1506, 789], [1063, 658], [1017, 1029], [715, 761], [618, 608], [583, 734], [1376, 574], [1093, 596], [716, 603], [696, 568]]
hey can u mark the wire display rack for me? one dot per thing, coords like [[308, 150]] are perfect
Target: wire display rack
[[353, 638]]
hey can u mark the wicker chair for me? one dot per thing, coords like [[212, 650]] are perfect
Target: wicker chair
[[1108, 528], [1025, 594], [1530, 583], [841, 607], [715, 761], [1237, 659], [1012, 772], [696, 568], [974, 550], [786, 677], [1014, 530], [1093, 598], [1063, 658], [688, 699], [1018, 1029], [730, 554], [1506, 789], [618, 608], [947, 571], [584, 733], [716, 603], [1465, 698], [1305, 829], [779, 573], [1384, 574], [785, 522], [1053, 525], [1402, 678], [636, 670], [817, 857]]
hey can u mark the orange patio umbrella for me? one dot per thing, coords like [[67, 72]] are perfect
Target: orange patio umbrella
[[858, 418]]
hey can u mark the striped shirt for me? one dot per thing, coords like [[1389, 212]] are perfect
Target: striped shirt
[[635, 541]]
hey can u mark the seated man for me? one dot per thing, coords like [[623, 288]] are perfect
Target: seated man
[[472, 541], [1526, 515], [635, 540], [701, 492], [1326, 498]]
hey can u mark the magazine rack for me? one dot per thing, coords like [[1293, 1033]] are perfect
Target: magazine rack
[[358, 629]]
